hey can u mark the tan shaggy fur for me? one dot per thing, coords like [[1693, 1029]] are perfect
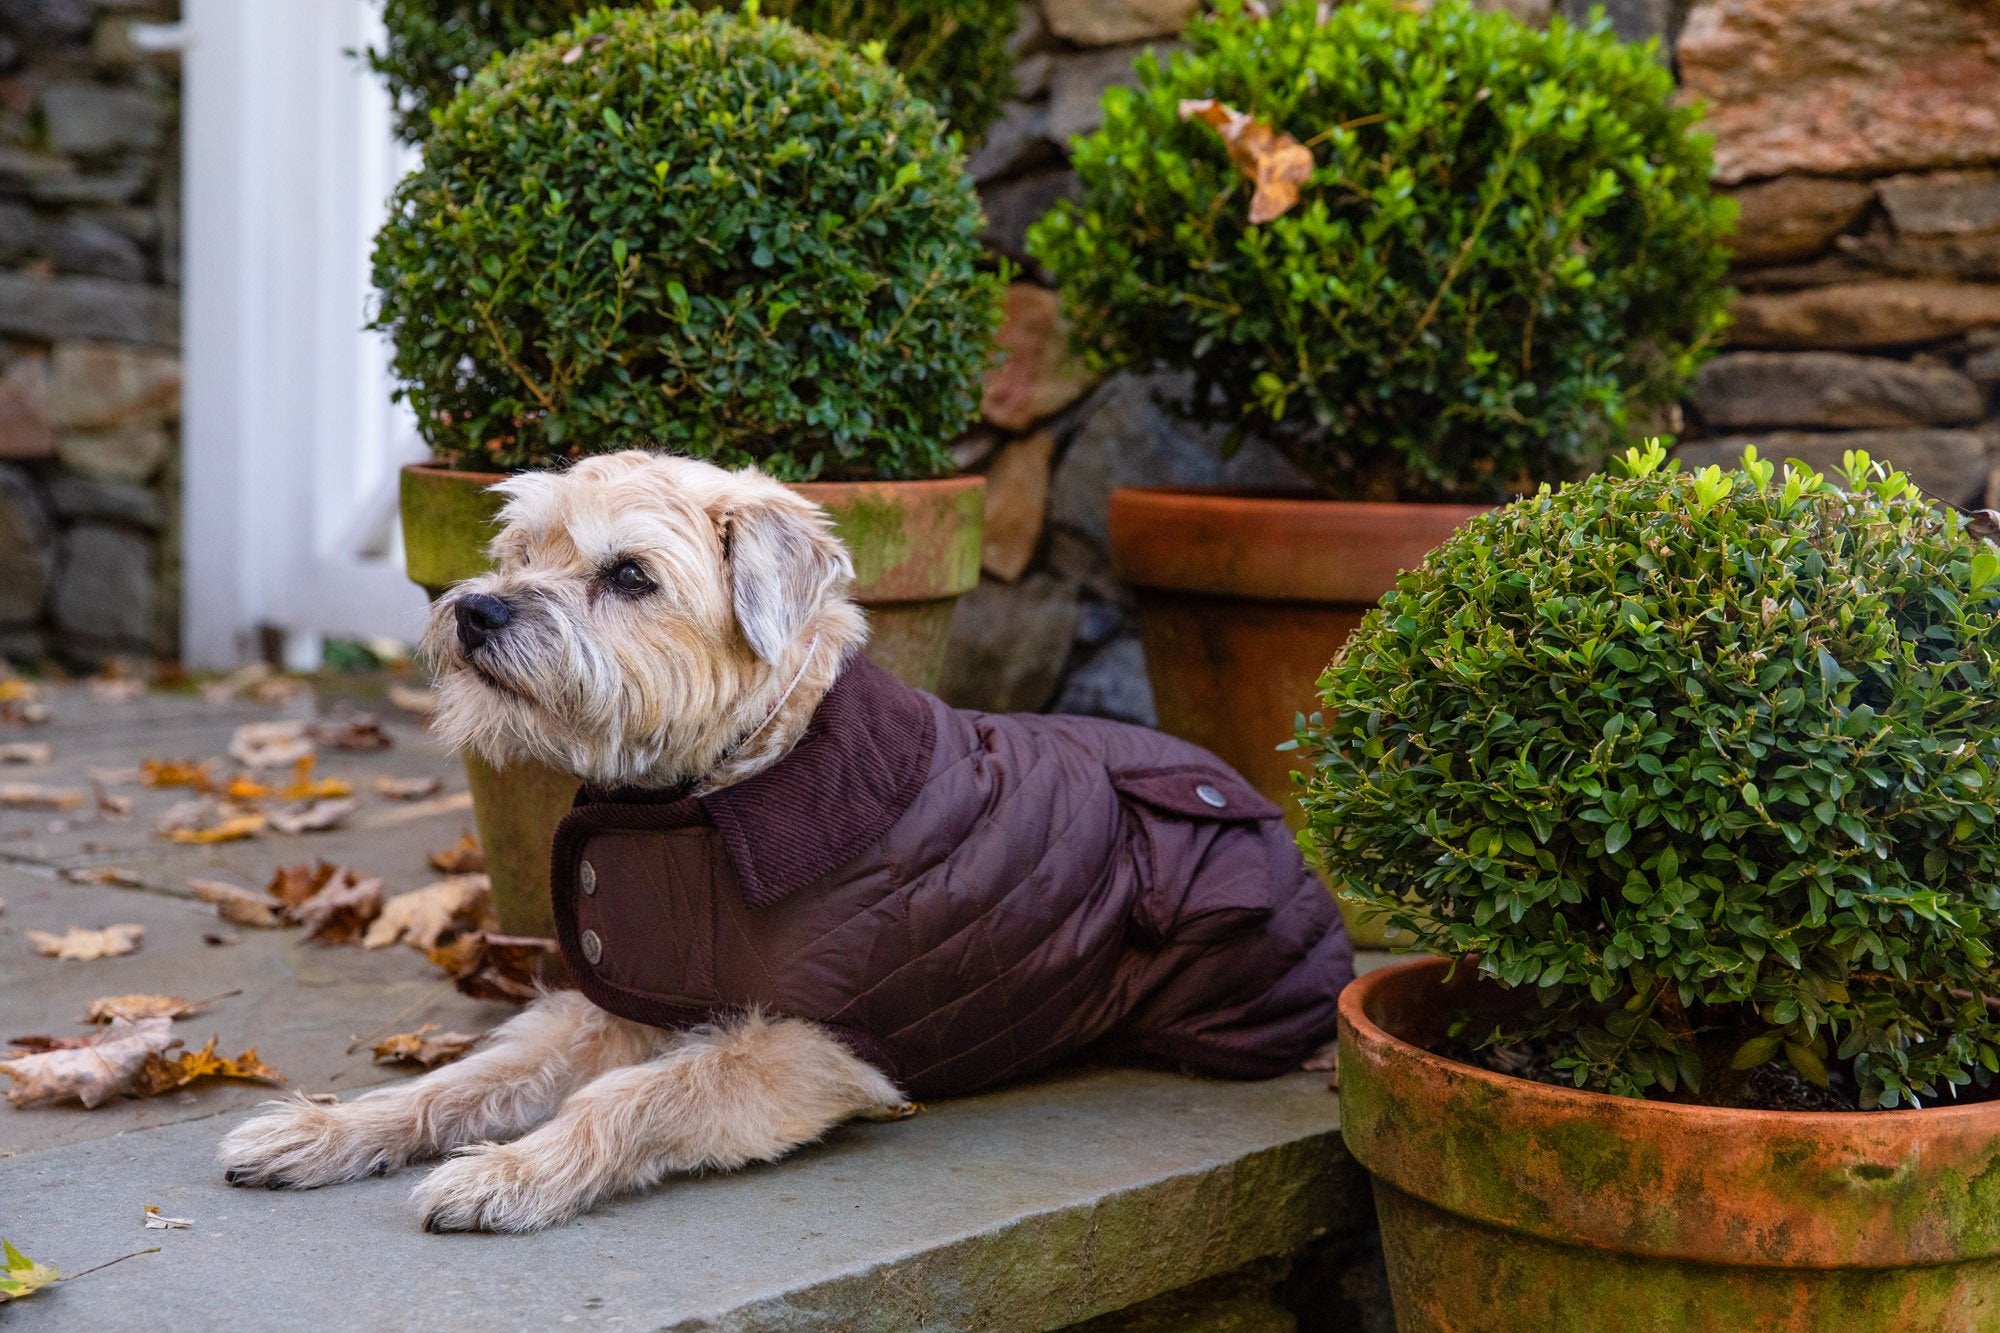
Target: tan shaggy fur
[[710, 674]]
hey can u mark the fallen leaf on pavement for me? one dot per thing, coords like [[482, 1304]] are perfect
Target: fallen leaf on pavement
[[1275, 162], [220, 938], [164, 1073], [206, 820], [313, 816], [33, 796], [82, 945], [178, 773], [270, 744], [116, 876], [293, 884], [155, 1222], [425, 916], [342, 908], [408, 789], [108, 1007], [116, 689], [23, 1276], [37, 1044], [411, 699], [494, 967], [421, 1047], [234, 904], [109, 804], [26, 752], [461, 858], [357, 731], [94, 1073], [305, 787]]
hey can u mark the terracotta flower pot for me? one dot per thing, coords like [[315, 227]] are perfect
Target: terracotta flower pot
[[915, 546], [1511, 1204], [1244, 597]]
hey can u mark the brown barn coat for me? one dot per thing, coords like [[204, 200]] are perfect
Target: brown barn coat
[[963, 897]]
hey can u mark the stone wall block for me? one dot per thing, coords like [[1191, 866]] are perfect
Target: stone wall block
[[1950, 465], [1038, 374], [26, 544], [1108, 22], [1009, 643], [1111, 682], [104, 587], [52, 309], [91, 119], [100, 386], [1753, 390], [1794, 216], [25, 431], [130, 453], [1077, 82], [1943, 203], [78, 497], [1019, 141], [85, 245], [1017, 498], [1950, 258], [1889, 313], [1015, 205]]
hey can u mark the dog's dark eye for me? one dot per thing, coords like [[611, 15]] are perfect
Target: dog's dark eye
[[628, 577]]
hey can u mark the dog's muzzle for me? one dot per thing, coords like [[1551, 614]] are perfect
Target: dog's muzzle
[[480, 617]]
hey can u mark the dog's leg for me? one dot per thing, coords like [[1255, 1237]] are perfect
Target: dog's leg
[[533, 1062], [720, 1098]]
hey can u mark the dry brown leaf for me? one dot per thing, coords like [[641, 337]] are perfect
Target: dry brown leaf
[[80, 944], [163, 1073], [26, 752], [342, 908], [20, 702], [463, 857], [421, 1047], [110, 805], [206, 820], [243, 787], [116, 689], [270, 744], [36, 1045], [34, 796], [494, 967], [199, 774], [294, 884], [219, 938], [411, 699], [357, 731], [314, 816], [135, 1007], [234, 904], [1273, 161], [408, 789], [425, 916], [109, 1064], [156, 1222], [115, 876]]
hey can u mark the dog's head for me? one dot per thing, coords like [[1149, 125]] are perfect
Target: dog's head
[[643, 611]]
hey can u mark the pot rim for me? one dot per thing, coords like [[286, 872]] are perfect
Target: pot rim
[[1288, 498], [957, 482]]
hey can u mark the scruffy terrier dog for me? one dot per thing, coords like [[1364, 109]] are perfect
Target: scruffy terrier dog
[[795, 891]]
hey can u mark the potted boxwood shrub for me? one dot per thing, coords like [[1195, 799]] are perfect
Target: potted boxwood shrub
[[711, 233], [1502, 251], [1690, 779], [952, 52]]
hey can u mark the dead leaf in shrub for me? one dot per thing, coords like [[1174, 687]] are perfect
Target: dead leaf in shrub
[[420, 1047], [108, 1007], [344, 905], [26, 752], [235, 904], [357, 731], [424, 916], [408, 789], [34, 796], [163, 1073], [494, 967], [115, 876], [23, 1276], [109, 1063], [206, 820], [313, 816], [178, 773], [156, 1222], [411, 699], [270, 744], [79, 944], [461, 858], [1273, 161]]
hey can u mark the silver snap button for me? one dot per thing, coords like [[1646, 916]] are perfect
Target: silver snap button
[[586, 876], [1210, 796], [593, 948]]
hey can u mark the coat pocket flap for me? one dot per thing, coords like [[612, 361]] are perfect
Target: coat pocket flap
[[1195, 792]]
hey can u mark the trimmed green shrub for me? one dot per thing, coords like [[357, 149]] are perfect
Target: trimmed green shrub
[[709, 232], [1708, 760], [1506, 250], [953, 52]]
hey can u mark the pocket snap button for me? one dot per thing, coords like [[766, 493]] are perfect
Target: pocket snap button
[[593, 947], [586, 877], [1210, 796]]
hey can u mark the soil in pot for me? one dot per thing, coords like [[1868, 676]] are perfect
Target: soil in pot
[[1508, 1204]]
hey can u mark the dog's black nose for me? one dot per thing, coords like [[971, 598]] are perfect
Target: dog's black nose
[[480, 617]]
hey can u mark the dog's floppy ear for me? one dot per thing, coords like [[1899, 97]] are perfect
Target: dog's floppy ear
[[784, 562]]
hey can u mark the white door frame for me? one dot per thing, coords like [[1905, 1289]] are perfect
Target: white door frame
[[290, 445]]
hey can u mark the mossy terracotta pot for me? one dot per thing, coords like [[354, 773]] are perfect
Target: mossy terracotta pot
[[1510, 1204], [915, 546], [1244, 597]]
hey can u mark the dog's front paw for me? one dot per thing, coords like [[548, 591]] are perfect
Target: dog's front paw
[[493, 1187], [303, 1145]]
